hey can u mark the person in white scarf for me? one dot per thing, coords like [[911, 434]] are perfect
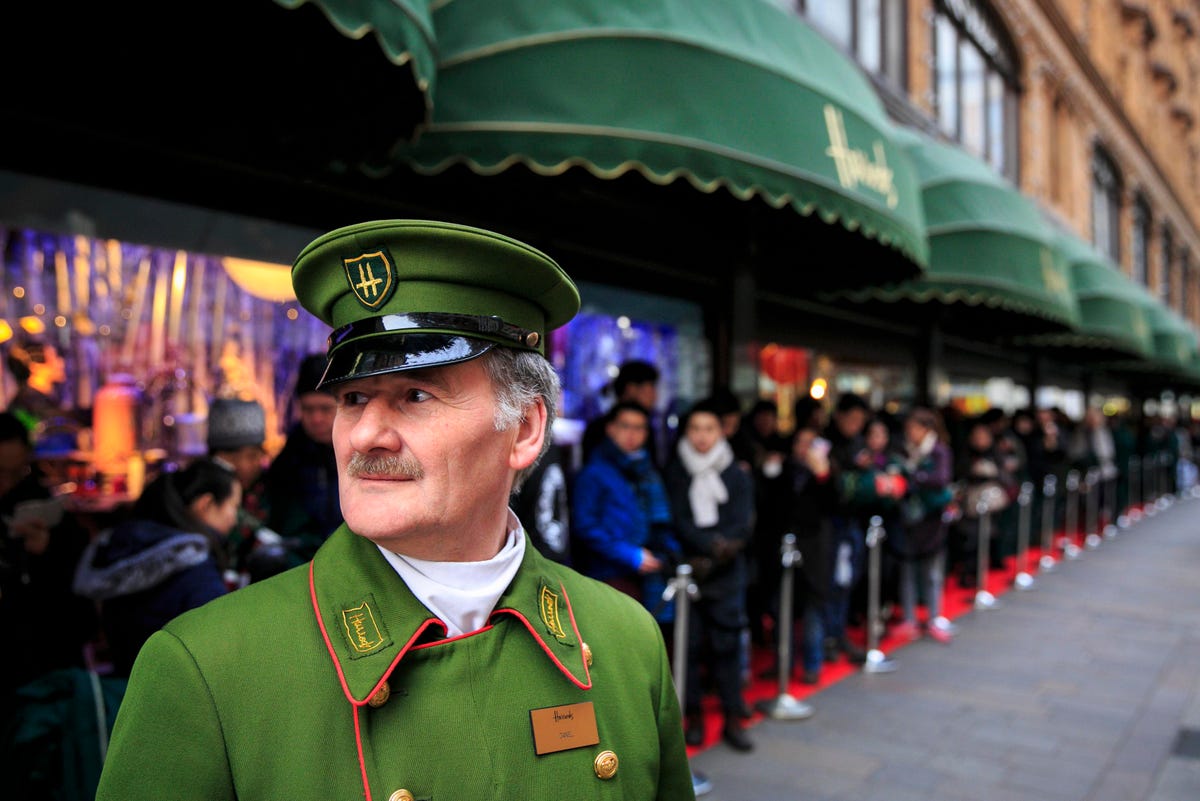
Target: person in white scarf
[[712, 501]]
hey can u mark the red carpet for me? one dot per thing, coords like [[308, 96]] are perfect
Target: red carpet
[[956, 602]]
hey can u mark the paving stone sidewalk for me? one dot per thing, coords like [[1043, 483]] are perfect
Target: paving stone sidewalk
[[1084, 688]]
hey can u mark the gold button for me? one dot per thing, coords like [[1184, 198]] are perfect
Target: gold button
[[532, 339], [605, 764], [401, 795], [587, 654], [380, 698]]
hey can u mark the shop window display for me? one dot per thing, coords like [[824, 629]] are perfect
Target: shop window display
[[589, 351], [176, 322]]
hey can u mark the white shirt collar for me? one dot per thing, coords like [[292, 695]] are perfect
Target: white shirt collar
[[463, 594]]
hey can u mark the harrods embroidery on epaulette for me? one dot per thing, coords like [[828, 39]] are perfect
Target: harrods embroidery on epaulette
[[363, 627], [548, 607]]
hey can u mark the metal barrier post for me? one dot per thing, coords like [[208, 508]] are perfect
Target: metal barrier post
[[1166, 481], [683, 591], [1109, 507], [785, 706], [877, 661], [1091, 537], [1149, 487], [983, 598], [1023, 580], [1070, 549], [1047, 561], [1133, 504]]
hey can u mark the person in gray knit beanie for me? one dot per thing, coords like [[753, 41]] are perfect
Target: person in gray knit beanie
[[236, 435]]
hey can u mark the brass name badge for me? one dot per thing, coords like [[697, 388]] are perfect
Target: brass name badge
[[560, 728]]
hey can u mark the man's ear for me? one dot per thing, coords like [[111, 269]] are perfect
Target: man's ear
[[531, 433]]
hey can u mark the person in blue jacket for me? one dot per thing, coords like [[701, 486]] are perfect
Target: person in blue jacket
[[621, 516]]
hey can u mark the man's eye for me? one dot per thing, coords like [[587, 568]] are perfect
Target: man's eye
[[353, 398], [418, 395]]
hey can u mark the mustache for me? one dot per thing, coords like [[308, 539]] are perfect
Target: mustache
[[361, 464]]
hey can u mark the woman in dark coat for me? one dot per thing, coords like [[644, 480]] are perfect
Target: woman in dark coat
[[929, 467], [712, 502], [987, 489], [162, 561], [800, 502]]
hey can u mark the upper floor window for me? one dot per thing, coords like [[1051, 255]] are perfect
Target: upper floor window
[[1140, 245], [975, 82], [873, 30], [1165, 278], [1106, 212]]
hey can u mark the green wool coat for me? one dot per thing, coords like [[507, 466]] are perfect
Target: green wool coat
[[277, 691]]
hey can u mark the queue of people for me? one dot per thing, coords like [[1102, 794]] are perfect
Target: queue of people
[[737, 484]]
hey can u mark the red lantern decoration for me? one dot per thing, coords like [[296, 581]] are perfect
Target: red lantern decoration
[[783, 365]]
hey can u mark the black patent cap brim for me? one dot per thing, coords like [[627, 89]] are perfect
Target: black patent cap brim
[[396, 353]]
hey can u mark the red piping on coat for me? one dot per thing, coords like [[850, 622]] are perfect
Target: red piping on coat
[[355, 704], [362, 762], [546, 648]]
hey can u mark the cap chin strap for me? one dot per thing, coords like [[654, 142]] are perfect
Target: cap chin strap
[[470, 324]]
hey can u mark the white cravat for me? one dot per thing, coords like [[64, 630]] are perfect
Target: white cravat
[[462, 594]]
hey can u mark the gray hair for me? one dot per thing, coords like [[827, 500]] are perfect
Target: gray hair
[[520, 377]]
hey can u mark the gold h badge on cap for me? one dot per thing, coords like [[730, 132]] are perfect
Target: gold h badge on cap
[[372, 278], [414, 294]]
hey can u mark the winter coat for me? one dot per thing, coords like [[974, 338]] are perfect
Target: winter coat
[[613, 518], [797, 502], [145, 574], [302, 498], [930, 476], [35, 589], [718, 553]]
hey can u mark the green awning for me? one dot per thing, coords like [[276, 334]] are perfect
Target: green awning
[[742, 97], [992, 253], [402, 28], [1113, 320], [1175, 347], [1174, 339]]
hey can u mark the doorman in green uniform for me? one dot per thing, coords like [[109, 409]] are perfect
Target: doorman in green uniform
[[426, 652]]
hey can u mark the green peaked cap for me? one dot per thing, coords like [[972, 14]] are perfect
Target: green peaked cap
[[404, 294]]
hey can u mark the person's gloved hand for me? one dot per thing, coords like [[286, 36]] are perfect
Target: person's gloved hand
[[724, 549]]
